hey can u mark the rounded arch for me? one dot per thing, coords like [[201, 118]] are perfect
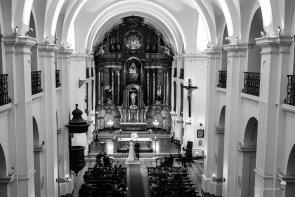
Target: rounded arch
[[221, 123], [35, 132], [250, 136], [152, 11], [289, 17], [290, 187], [3, 173], [254, 56]]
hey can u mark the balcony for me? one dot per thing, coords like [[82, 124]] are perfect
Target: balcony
[[290, 99], [57, 79], [222, 79], [4, 99], [251, 83], [36, 82], [181, 74]]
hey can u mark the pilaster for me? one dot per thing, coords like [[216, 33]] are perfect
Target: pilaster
[[47, 63], [213, 61], [236, 55], [65, 111], [274, 68], [18, 54]]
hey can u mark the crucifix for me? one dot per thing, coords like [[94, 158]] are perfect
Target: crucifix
[[189, 89]]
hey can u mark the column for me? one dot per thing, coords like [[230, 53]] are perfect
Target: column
[[113, 84], [148, 86], [236, 55], [164, 87], [275, 55], [18, 56], [213, 60], [154, 86], [118, 86], [65, 110], [47, 62], [167, 88], [98, 83]]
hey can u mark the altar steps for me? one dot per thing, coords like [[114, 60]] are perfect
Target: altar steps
[[107, 135], [92, 156]]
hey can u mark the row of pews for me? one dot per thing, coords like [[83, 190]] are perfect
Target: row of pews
[[171, 182], [104, 180]]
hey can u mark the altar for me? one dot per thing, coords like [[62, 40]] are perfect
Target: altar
[[122, 145]]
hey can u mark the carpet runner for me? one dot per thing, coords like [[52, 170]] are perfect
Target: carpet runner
[[136, 188]]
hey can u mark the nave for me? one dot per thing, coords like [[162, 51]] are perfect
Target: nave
[[194, 171]]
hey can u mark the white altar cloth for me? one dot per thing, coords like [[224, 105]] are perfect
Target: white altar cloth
[[138, 139]]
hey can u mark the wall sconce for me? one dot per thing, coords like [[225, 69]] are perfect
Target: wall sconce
[[263, 33], [179, 121], [81, 82], [173, 114], [61, 180], [156, 123], [188, 122], [279, 30], [218, 180], [283, 184]]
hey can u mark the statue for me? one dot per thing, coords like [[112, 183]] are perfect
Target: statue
[[133, 98], [132, 69]]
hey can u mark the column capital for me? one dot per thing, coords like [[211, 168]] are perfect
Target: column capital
[[266, 42], [236, 48], [47, 48], [18, 40], [64, 52], [81, 56]]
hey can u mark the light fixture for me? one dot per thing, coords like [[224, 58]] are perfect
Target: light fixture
[[61, 180], [15, 31], [81, 82], [110, 123], [156, 123], [263, 33], [218, 180], [283, 184], [279, 30], [188, 121], [29, 31]]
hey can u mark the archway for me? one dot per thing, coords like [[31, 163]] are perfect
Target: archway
[[254, 56], [3, 186], [290, 187], [219, 155], [37, 149], [248, 149], [34, 50]]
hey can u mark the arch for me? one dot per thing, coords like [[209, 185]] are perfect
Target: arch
[[6, 12], [3, 187], [249, 158], [289, 17], [224, 53], [222, 118], [290, 187], [254, 56], [155, 13], [36, 158], [34, 49]]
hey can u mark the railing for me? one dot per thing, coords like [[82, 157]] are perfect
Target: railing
[[4, 99], [290, 99], [181, 74], [57, 78], [36, 82], [251, 83], [222, 79], [175, 72]]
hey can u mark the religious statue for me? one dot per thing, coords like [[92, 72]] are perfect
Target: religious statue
[[133, 98], [159, 92], [134, 136], [132, 69]]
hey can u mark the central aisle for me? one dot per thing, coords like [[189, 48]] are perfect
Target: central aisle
[[135, 181]]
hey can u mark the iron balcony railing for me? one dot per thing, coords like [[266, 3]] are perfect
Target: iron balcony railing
[[251, 83], [4, 99], [175, 72], [57, 78], [36, 82], [222, 79], [290, 99]]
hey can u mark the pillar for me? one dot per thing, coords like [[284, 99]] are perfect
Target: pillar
[[236, 55], [148, 86], [18, 56], [118, 86], [154, 86], [275, 56], [47, 62], [213, 61]]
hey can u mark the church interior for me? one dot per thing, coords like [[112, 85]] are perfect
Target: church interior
[[153, 98]]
